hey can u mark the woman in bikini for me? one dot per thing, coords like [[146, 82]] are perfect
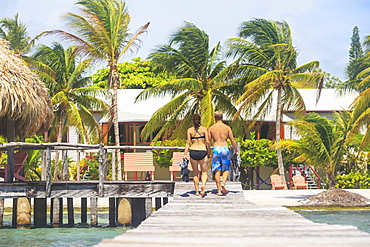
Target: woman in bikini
[[199, 150]]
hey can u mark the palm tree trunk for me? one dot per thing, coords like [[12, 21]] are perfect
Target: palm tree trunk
[[279, 117], [114, 77], [332, 179]]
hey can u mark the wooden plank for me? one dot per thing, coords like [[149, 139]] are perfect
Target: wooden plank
[[230, 220], [78, 189]]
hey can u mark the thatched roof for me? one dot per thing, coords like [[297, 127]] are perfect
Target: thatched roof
[[24, 99]]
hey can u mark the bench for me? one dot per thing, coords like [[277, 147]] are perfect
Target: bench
[[299, 182], [20, 158], [138, 162]]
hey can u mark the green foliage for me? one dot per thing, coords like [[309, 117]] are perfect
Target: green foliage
[[257, 152], [138, 74], [353, 180], [34, 160], [163, 157]]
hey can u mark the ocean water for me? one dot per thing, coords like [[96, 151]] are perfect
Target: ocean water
[[79, 236], [358, 218]]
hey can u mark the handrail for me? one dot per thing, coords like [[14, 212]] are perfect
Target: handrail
[[317, 175], [312, 169]]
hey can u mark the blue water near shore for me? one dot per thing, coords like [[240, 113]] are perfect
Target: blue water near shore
[[358, 218], [78, 236], [86, 236]]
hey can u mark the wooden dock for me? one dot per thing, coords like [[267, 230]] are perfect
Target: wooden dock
[[230, 220]]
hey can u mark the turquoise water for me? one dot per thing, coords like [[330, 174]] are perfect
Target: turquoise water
[[71, 237], [358, 218], [61, 236]]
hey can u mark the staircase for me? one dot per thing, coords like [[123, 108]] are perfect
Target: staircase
[[308, 173]]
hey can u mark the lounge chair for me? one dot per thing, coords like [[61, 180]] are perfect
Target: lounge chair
[[277, 183], [138, 162], [19, 158], [299, 182]]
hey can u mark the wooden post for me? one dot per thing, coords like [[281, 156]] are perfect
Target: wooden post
[[64, 166], [56, 212], [165, 200], [141, 209], [43, 166], [112, 212], [158, 203], [23, 213], [78, 166], [14, 212], [1, 212], [83, 210], [102, 175], [94, 211], [71, 217], [10, 165], [113, 165], [48, 172], [124, 212], [40, 212]]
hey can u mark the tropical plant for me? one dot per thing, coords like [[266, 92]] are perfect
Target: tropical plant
[[257, 152], [136, 74], [199, 86], [15, 32], [163, 156], [323, 142], [268, 67], [354, 180], [73, 97], [102, 32]]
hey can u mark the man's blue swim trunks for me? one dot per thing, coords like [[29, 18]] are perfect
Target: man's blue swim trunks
[[220, 159]]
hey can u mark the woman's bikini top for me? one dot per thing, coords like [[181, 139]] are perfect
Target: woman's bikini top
[[197, 137]]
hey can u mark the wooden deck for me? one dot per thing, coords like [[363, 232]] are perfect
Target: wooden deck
[[230, 220]]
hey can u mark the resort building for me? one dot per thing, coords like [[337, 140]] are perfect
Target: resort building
[[132, 116]]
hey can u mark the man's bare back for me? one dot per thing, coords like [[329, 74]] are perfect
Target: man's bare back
[[219, 133]]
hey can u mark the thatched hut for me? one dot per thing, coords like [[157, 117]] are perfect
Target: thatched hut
[[25, 105]]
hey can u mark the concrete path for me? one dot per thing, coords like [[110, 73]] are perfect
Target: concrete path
[[288, 197], [230, 220]]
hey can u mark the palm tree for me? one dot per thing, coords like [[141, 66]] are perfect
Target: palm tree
[[102, 33], [15, 32], [199, 85], [268, 68], [323, 142], [72, 94]]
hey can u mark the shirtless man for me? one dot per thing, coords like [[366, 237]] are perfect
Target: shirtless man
[[219, 133]]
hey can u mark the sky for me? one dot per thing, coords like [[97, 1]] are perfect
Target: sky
[[321, 29]]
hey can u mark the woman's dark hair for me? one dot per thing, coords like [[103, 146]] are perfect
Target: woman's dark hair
[[196, 121]]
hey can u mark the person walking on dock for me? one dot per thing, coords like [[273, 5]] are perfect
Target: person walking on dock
[[198, 152], [220, 133]]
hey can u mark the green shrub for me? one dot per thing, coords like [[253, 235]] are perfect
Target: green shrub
[[353, 180], [163, 156]]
